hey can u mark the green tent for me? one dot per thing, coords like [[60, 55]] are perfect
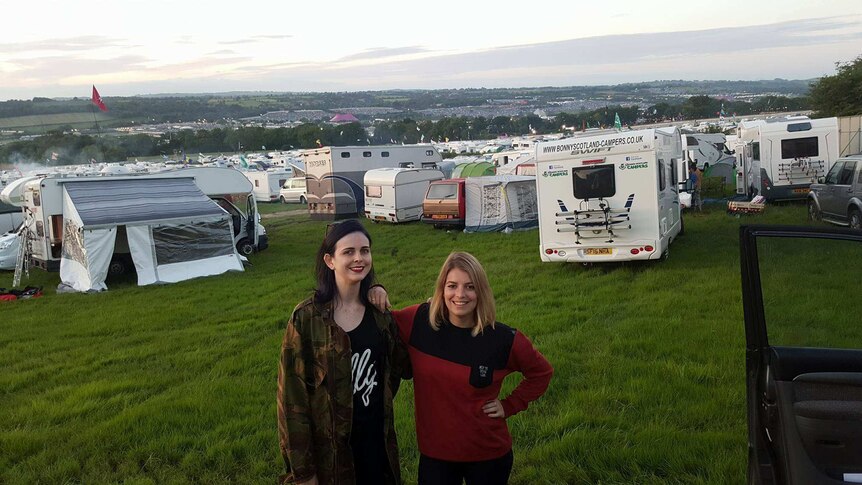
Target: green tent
[[473, 169]]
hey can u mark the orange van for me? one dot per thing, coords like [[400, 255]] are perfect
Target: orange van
[[444, 203]]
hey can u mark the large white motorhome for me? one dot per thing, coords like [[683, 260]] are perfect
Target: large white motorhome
[[707, 148], [335, 174], [42, 199], [779, 158], [608, 197], [268, 183], [396, 194]]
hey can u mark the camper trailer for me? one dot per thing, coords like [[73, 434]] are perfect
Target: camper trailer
[[396, 194], [48, 202], [335, 174], [779, 158], [268, 183], [610, 197]]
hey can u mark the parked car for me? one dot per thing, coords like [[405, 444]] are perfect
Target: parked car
[[444, 203], [803, 356], [293, 190], [838, 198]]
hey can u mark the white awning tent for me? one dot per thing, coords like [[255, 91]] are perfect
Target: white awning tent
[[174, 232], [500, 203]]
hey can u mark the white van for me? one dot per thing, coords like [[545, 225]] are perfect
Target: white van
[[396, 194], [293, 190], [609, 197]]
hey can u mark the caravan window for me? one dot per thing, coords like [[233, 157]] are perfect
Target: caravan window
[[594, 182], [799, 127], [673, 175], [366, 154], [345, 154], [799, 148], [662, 183], [429, 153], [429, 164], [384, 154], [374, 191], [755, 150]]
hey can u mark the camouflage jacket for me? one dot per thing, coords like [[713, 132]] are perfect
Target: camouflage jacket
[[315, 396]]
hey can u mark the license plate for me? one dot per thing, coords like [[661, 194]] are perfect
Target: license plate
[[439, 216], [801, 191], [598, 251], [380, 218]]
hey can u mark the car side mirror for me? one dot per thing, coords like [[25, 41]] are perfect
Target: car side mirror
[[821, 180]]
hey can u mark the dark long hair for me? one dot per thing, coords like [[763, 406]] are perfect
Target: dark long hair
[[326, 289]]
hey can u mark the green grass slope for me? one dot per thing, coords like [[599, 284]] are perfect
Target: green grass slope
[[176, 383]]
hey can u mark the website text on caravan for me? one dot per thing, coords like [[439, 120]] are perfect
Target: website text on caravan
[[593, 146]]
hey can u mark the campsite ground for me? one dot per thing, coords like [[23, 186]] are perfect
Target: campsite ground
[[176, 383]]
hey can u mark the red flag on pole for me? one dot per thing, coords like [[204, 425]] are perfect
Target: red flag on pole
[[97, 100]]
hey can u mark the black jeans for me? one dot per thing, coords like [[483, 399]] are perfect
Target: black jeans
[[489, 472]]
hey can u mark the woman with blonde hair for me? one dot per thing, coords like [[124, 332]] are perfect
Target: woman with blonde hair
[[460, 355]]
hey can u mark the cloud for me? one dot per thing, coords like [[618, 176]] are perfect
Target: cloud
[[255, 39], [383, 52], [66, 44], [799, 49]]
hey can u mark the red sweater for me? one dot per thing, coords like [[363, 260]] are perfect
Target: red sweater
[[455, 374]]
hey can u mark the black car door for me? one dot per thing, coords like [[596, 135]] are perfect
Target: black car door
[[803, 328]]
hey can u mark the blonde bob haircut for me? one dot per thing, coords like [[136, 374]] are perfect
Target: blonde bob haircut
[[485, 310]]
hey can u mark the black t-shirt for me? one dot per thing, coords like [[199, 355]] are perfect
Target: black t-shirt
[[368, 348]]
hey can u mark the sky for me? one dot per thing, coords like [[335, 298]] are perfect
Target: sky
[[53, 48]]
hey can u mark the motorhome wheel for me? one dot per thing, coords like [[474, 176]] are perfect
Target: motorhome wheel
[[281, 199], [245, 247], [117, 267], [302, 199]]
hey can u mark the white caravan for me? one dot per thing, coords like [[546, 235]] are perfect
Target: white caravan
[[43, 200], [396, 194], [779, 158], [609, 197], [268, 183], [335, 174]]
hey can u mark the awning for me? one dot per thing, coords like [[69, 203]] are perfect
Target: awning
[[127, 201]]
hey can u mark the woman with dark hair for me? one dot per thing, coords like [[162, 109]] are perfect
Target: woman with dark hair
[[460, 355], [341, 362]]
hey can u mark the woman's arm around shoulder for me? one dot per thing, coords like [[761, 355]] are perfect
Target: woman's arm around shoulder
[[537, 372]]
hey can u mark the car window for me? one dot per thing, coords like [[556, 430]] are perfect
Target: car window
[[846, 177], [808, 287], [832, 176]]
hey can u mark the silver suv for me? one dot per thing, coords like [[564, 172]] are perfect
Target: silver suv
[[838, 197]]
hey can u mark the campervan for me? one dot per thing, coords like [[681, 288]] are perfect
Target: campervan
[[44, 198], [779, 158], [11, 217], [708, 151], [335, 174], [610, 197], [444, 203], [268, 183], [396, 194]]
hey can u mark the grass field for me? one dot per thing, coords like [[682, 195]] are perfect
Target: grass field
[[176, 383]]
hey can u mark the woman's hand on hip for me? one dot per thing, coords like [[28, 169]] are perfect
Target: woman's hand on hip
[[494, 409]]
